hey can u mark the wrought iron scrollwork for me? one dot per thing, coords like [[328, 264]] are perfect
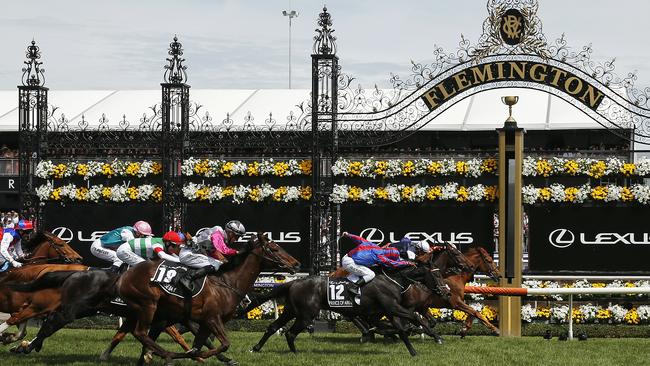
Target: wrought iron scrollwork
[[325, 41], [33, 73], [175, 72]]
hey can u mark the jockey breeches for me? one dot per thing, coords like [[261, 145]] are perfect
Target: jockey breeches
[[196, 260], [103, 253], [362, 271], [127, 256]]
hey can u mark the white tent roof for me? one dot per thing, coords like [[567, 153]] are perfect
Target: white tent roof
[[483, 111]]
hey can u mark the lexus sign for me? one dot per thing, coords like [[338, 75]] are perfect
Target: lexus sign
[[578, 239]]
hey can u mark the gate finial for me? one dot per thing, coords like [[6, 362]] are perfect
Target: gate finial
[[33, 73], [324, 41], [175, 71]]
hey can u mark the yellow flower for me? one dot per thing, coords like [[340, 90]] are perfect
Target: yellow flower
[[460, 315], [461, 167], [632, 317], [253, 169], [354, 169], [254, 314], [305, 167], [434, 168], [381, 193], [462, 194], [603, 314], [254, 194], [578, 316], [543, 168], [59, 170], [202, 193], [489, 166], [628, 169], [279, 193], [280, 169], [228, 191], [354, 193], [106, 192], [434, 193], [226, 169], [156, 168], [599, 193], [132, 192], [543, 312], [133, 168], [56, 194], [597, 169], [435, 312], [407, 192], [82, 169], [157, 193], [489, 312], [380, 167], [108, 170], [490, 193], [544, 194], [81, 194], [571, 167], [626, 194], [629, 284], [598, 285], [305, 193], [408, 167], [570, 194], [202, 167]]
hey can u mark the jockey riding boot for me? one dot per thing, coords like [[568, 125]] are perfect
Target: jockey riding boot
[[186, 280], [114, 269], [355, 287]]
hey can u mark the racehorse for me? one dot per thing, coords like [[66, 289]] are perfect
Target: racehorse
[[211, 308], [306, 297], [42, 248], [420, 298]]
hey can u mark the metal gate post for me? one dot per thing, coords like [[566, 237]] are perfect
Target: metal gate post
[[324, 101], [511, 145], [175, 125], [32, 127]]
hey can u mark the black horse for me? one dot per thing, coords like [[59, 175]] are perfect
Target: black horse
[[306, 297]]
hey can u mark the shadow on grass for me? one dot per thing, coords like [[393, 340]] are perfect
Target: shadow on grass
[[56, 359]]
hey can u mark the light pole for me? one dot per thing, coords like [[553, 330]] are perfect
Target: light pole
[[291, 14]]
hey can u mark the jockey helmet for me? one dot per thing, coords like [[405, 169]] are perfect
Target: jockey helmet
[[182, 236], [405, 241], [236, 227], [143, 228], [172, 236], [24, 225], [423, 246]]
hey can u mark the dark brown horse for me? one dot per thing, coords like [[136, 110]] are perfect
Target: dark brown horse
[[421, 299], [211, 308], [44, 250]]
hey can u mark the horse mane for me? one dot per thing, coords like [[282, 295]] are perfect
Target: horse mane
[[36, 239], [237, 260]]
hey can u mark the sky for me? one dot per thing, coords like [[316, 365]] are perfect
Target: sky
[[122, 44]]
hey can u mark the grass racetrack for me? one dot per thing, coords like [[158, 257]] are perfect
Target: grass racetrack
[[83, 347]]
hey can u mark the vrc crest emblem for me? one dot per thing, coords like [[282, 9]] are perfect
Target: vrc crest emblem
[[512, 27]]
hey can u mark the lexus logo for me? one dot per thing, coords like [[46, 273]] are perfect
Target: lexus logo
[[561, 238], [375, 235], [63, 233], [372, 234]]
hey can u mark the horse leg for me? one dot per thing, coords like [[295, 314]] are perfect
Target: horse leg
[[7, 338], [397, 323], [278, 323], [51, 325], [141, 331], [397, 310], [460, 305], [298, 326], [126, 327], [194, 328], [216, 326], [366, 334], [154, 333]]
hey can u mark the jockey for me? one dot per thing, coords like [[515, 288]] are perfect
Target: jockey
[[138, 250], [12, 238], [367, 254], [208, 247], [409, 249], [104, 247]]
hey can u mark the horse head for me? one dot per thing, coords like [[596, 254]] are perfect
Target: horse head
[[272, 253], [47, 247], [483, 262]]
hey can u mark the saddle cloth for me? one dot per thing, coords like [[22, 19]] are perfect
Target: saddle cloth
[[167, 275], [338, 295]]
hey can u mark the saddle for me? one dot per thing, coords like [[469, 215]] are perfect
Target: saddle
[[167, 276]]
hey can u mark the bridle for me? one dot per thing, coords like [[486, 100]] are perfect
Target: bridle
[[487, 264], [59, 252], [270, 255]]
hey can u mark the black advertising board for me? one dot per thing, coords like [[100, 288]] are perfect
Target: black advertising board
[[9, 184], [285, 224], [589, 239], [80, 224], [464, 225]]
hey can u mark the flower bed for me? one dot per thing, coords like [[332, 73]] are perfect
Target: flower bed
[[557, 192], [395, 193], [97, 193], [46, 169], [245, 193], [540, 167], [373, 168], [266, 167]]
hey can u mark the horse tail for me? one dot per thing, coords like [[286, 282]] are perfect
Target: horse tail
[[258, 299], [48, 280]]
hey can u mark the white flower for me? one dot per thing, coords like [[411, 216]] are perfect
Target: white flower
[[449, 191], [528, 313], [557, 192], [643, 166], [447, 167], [419, 193], [394, 168], [529, 167], [530, 194], [644, 312], [240, 193], [44, 169], [475, 193], [340, 167], [613, 166], [239, 168], [618, 313], [266, 167], [293, 193], [589, 311], [368, 195], [339, 193], [189, 191], [43, 191], [583, 193], [474, 167], [559, 314], [642, 193], [187, 168], [613, 193], [394, 192]]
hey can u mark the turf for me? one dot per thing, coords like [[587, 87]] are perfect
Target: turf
[[82, 347]]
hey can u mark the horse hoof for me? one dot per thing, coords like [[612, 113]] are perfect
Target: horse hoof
[[438, 340], [496, 333], [148, 358], [104, 356], [255, 349], [232, 363]]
